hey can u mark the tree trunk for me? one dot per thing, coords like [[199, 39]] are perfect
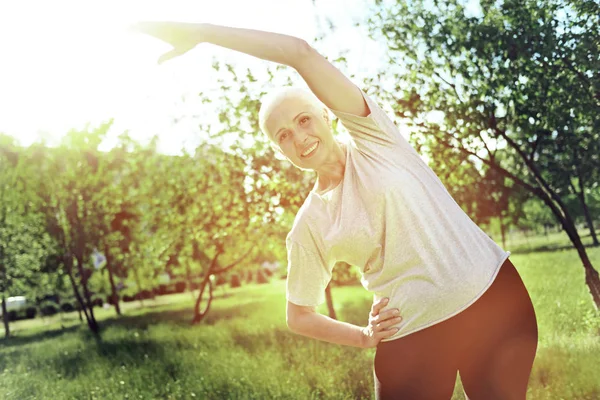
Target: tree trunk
[[5, 318], [592, 279], [114, 294], [68, 261], [198, 315], [581, 195], [588, 218], [545, 193], [212, 270], [332, 314], [93, 325]]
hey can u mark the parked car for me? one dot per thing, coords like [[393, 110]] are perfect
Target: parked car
[[19, 307]]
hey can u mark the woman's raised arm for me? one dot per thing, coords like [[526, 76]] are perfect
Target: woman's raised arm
[[328, 83]]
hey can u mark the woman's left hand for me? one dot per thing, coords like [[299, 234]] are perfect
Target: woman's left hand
[[379, 324]]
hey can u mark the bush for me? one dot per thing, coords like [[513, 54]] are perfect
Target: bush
[[144, 294], [261, 277], [48, 308], [221, 280], [30, 312], [180, 287], [249, 277], [235, 281], [109, 299], [97, 302], [161, 290], [12, 315], [67, 307], [128, 298]]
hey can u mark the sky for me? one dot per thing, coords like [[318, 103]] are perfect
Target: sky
[[65, 64]]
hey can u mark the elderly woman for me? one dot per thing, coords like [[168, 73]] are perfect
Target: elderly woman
[[446, 297]]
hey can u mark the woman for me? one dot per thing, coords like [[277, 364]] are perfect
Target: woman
[[446, 297]]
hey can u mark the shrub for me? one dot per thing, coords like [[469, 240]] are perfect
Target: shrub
[[127, 298], [30, 312], [97, 302], [235, 281], [221, 280], [48, 308], [161, 290], [144, 294], [180, 287], [67, 307], [249, 277], [261, 277]]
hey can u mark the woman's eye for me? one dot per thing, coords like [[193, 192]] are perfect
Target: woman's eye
[[304, 120], [283, 136]]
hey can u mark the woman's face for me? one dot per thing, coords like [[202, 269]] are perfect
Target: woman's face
[[301, 130]]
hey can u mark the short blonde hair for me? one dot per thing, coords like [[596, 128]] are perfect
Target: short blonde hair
[[272, 99]]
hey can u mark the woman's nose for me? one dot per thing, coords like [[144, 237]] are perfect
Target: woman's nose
[[300, 136]]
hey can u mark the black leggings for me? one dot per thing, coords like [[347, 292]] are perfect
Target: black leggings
[[491, 344]]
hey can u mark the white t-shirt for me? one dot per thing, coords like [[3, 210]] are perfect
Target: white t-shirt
[[392, 217]]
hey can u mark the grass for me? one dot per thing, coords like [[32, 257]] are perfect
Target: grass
[[243, 349]]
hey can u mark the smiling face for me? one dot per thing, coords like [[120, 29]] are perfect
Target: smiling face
[[300, 129]]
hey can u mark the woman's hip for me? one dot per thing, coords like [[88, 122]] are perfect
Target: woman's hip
[[504, 309]]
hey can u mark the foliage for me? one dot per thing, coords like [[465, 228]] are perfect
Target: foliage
[[512, 85]]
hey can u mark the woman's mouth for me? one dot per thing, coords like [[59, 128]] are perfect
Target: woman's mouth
[[309, 152]]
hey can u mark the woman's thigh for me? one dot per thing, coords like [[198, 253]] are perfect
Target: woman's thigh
[[500, 332], [421, 365]]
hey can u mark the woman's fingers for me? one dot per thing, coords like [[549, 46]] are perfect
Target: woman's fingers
[[175, 52], [387, 314], [389, 322], [376, 307], [387, 333]]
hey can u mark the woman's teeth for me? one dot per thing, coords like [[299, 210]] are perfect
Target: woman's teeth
[[310, 150]]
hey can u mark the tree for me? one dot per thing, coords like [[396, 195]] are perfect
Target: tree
[[266, 190], [72, 183], [512, 80], [23, 242]]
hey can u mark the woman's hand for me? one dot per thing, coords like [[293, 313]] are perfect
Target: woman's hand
[[379, 322], [181, 35]]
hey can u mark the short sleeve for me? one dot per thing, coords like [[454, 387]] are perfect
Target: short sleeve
[[376, 133], [307, 276]]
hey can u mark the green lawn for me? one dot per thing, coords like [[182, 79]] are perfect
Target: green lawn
[[243, 349]]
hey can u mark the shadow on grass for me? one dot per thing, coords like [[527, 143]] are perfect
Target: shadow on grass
[[17, 340], [134, 353], [181, 316], [122, 353], [547, 249]]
